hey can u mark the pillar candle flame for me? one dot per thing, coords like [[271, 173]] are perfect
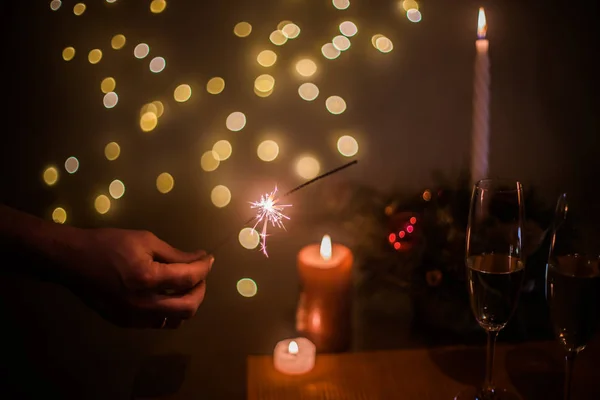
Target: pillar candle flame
[[326, 250]]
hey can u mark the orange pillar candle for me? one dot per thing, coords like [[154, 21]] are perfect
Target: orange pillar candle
[[324, 310]]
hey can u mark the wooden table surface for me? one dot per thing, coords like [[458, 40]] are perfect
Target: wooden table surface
[[532, 370]]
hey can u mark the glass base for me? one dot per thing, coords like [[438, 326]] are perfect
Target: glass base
[[479, 394]]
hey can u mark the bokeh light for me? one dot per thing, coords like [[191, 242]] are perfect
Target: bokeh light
[[148, 121], [210, 161], [50, 176], [341, 42], [215, 85], [59, 215], [330, 52], [110, 99], [291, 30], [95, 56], [249, 238], [414, 15], [102, 204], [165, 183], [278, 38], [308, 91], [55, 5], [182, 93], [158, 64], [262, 94], [79, 9], [141, 51], [267, 58], [247, 287], [264, 83], [160, 108], [112, 151], [282, 24], [347, 146], [111, 1], [68, 53], [108, 85], [236, 121], [413, 220], [118, 42], [306, 67], [223, 150], [242, 29], [427, 195], [220, 196], [374, 39], [149, 108], [383, 44], [158, 6], [116, 189], [268, 150], [348, 28], [335, 105], [72, 165], [410, 4], [308, 167], [341, 4]]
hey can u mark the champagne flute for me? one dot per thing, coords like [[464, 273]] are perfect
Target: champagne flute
[[573, 282], [495, 268]]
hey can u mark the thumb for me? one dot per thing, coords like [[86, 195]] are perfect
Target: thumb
[[164, 252]]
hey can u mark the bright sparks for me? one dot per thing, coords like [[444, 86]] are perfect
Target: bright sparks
[[269, 211]]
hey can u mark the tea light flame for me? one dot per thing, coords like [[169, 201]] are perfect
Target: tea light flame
[[293, 347], [481, 24], [326, 248]]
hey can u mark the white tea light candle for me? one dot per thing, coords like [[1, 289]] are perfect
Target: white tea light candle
[[294, 356]]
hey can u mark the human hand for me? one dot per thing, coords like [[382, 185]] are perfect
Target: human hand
[[134, 279]]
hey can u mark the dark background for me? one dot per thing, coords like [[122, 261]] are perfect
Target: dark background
[[410, 110]]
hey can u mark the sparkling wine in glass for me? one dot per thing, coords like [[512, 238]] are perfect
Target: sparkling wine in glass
[[494, 285], [573, 283], [495, 268]]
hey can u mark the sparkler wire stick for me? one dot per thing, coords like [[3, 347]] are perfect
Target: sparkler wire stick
[[270, 198], [318, 178]]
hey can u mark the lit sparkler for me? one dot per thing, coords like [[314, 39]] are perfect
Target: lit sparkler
[[269, 211]]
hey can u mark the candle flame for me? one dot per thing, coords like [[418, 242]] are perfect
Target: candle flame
[[481, 24], [326, 248], [293, 347]]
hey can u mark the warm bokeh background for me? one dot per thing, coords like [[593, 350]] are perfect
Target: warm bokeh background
[[409, 110]]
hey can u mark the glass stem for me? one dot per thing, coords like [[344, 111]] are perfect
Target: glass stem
[[570, 363], [488, 385]]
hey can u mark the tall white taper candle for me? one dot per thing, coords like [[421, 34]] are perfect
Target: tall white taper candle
[[481, 104]]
